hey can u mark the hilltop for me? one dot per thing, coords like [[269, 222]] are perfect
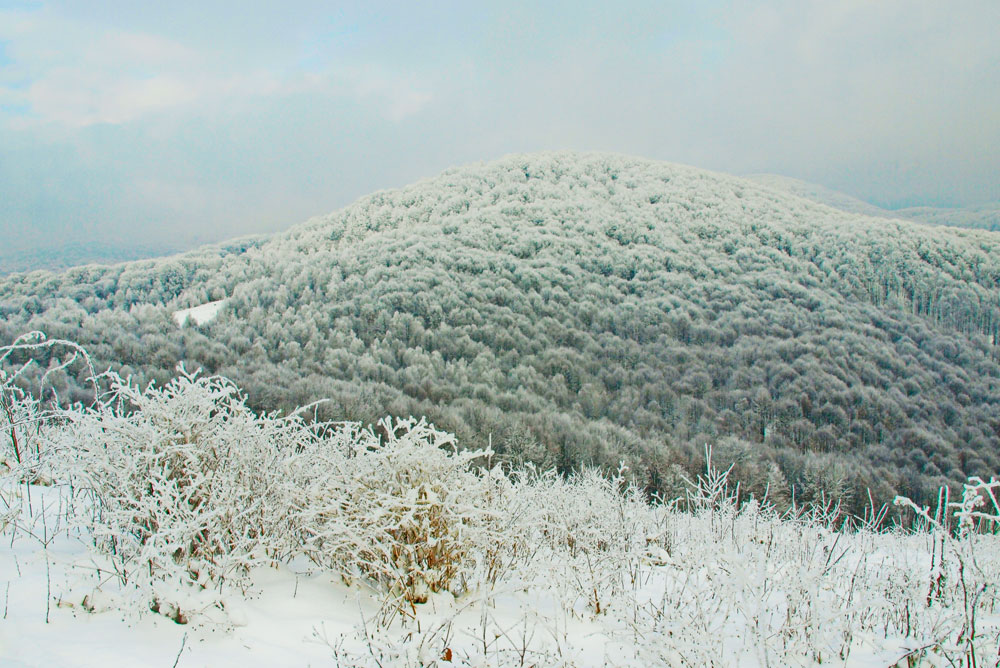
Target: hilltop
[[590, 308]]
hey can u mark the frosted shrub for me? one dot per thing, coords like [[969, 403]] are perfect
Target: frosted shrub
[[398, 506], [20, 421], [23, 417], [186, 482], [598, 527], [507, 541], [962, 581], [979, 509]]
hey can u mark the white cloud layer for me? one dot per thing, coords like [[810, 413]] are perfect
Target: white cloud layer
[[77, 74]]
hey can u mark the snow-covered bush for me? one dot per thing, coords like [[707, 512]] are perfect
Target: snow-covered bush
[[598, 529], [20, 419], [962, 579], [23, 417], [979, 494], [186, 483], [398, 505]]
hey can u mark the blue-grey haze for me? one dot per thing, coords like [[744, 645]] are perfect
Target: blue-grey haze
[[164, 125]]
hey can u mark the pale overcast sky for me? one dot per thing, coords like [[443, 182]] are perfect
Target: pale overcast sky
[[180, 122]]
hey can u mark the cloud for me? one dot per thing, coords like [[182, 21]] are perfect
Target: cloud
[[77, 99], [71, 73], [396, 96], [893, 100]]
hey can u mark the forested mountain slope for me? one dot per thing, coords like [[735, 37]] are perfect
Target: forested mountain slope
[[981, 217], [591, 308], [69, 254]]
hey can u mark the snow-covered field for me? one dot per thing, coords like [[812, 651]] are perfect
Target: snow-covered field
[[735, 588], [199, 315], [174, 526], [48, 623]]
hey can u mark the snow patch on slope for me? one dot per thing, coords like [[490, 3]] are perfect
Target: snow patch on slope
[[199, 315]]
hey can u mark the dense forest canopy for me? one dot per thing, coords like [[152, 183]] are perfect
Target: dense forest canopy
[[590, 308]]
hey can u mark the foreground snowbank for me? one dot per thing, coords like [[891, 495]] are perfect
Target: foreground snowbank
[[734, 588]]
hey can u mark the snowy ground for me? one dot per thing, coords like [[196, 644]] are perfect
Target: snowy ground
[[290, 617], [275, 625], [199, 315], [294, 616]]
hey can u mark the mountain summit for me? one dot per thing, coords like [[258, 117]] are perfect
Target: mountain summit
[[578, 309]]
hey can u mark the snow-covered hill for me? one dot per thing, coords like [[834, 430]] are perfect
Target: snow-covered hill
[[586, 308]]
